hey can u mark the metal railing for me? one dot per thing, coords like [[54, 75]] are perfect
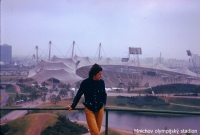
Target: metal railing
[[107, 109]]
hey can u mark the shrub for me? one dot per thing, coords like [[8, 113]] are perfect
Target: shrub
[[65, 127]]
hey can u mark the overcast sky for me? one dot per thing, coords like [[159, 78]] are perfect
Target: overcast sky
[[169, 27]]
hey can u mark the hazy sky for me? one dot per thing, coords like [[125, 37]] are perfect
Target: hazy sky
[[169, 27]]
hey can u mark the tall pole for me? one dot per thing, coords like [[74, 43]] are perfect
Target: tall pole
[[49, 50], [99, 51], [0, 22], [37, 53], [73, 49]]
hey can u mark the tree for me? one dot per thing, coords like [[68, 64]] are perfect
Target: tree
[[20, 80], [43, 98], [68, 87], [63, 92], [9, 101], [17, 96], [43, 84], [78, 84], [54, 98]]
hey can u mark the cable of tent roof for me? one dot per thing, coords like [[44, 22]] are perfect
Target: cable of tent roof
[[80, 50], [58, 49]]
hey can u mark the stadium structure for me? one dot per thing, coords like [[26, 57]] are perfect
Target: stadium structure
[[115, 73]]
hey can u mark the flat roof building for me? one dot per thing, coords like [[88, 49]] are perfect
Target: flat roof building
[[5, 53]]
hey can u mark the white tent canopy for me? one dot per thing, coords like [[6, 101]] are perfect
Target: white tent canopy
[[61, 75], [52, 66], [67, 61]]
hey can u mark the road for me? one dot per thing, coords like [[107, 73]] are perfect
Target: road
[[19, 113]]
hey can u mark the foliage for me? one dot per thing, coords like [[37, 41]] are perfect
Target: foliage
[[63, 92], [65, 127], [10, 88], [25, 124], [9, 101], [4, 128], [78, 84], [55, 98], [26, 89], [146, 100], [175, 88]]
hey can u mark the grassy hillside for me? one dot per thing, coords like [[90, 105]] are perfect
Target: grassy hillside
[[26, 125]]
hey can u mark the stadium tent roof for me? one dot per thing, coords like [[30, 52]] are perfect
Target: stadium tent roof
[[106, 61], [84, 61], [60, 74], [185, 71], [158, 66], [67, 61], [31, 73], [53, 66], [65, 72]]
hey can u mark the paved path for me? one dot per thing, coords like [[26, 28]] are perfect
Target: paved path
[[19, 113]]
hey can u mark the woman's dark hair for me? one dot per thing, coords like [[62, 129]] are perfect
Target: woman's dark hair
[[95, 69]]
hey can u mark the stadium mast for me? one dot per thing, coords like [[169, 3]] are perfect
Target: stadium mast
[[49, 50], [73, 49], [99, 51], [37, 53], [0, 22]]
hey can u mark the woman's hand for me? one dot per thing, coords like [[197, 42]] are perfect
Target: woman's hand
[[69, 108]]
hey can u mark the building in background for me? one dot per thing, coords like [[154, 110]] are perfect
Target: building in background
[[175, 63], [5, 53], [196, 59]]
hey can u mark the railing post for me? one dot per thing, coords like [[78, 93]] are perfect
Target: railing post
[[106, 126]]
